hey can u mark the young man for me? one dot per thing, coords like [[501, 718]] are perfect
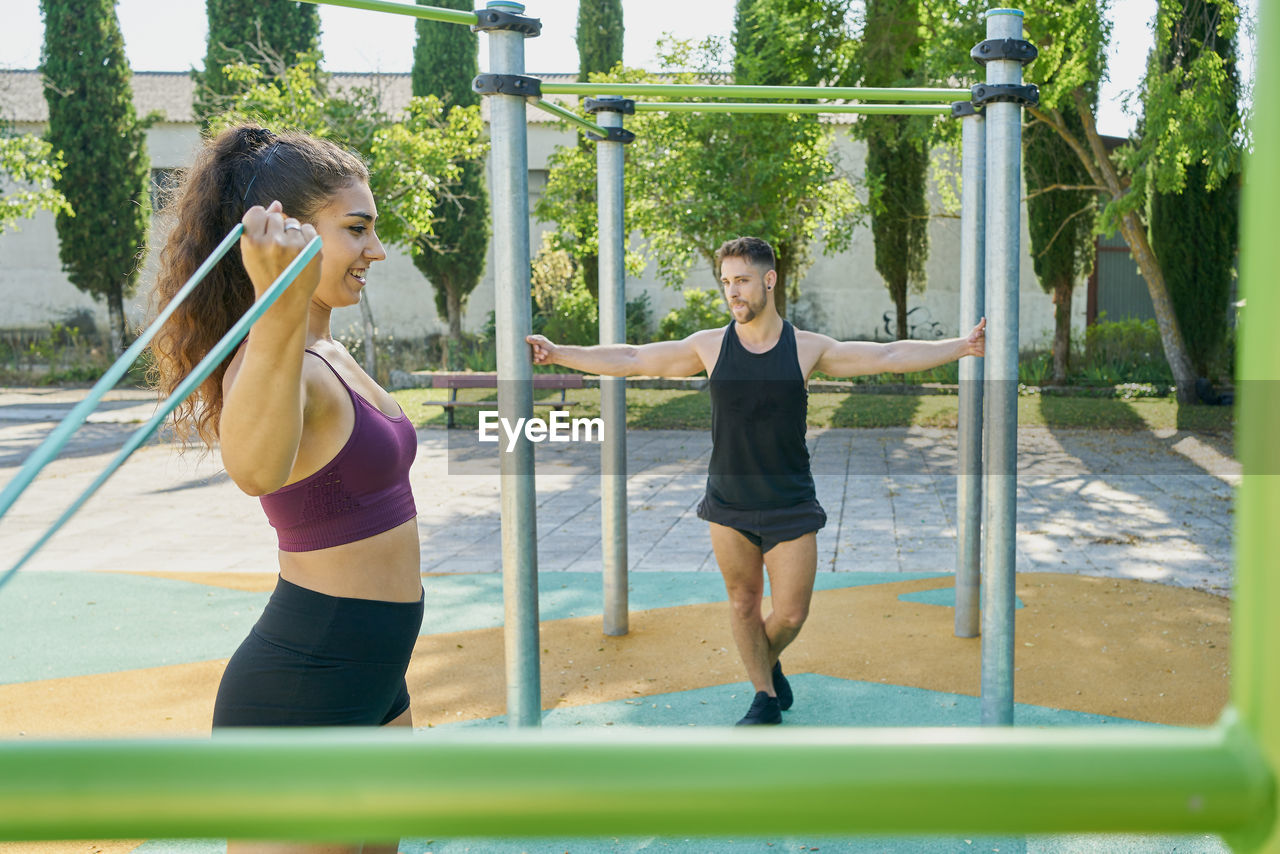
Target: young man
[[760, 499]]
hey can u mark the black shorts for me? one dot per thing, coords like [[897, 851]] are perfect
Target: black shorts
[[318, 660], [766, 528]]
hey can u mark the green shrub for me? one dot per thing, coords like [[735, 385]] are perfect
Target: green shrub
[[573, 317], [1035, 368], [1124, 351], [701, 310]]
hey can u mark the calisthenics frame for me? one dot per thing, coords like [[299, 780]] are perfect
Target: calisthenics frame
[[327, 785]]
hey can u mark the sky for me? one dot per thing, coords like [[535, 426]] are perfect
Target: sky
[[169, 35]]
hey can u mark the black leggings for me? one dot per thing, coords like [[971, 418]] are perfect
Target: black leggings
[[318, 660]]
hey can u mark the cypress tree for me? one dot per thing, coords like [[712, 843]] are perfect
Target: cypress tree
[[92, 121], [251, 31], [897, 166], [444, 63], [1194, 233], [1060, 223], [599, 37]]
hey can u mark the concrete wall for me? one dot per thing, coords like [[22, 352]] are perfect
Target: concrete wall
[[842, 296]]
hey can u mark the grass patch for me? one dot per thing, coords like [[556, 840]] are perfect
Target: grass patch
[[665, 409]]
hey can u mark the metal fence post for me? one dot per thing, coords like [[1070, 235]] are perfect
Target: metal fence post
[[1003, 232], [972, 306], [613, 390], [513, 316]]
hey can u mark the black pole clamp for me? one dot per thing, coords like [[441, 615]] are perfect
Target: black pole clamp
[[615, 135], [960, 109], [507, 84], [1018, 50], [626, 106], [492, 19], [1024, 96]]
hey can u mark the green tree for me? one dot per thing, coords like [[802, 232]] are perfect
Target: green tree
[[1194, 232], [444, 63], [1060, 220], [897, 168], [250, 31], [599, 36], [414, 158], [105, 178], [788, 43], [791, 42], [1190, 118], [30, 169], [685, 188]]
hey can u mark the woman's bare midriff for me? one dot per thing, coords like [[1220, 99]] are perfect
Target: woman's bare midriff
[[383, 567]]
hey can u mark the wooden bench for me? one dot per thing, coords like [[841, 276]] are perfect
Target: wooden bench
[[453, 382]]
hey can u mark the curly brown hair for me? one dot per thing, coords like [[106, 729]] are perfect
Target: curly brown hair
[[241, 167]]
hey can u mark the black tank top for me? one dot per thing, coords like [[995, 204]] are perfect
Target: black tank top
[[759, 408]]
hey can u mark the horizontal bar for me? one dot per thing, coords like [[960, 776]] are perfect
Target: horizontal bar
[[203, 368], [730, 107], [697, 90], [430, 13], [351, 784], [570, 116], [60, 435]]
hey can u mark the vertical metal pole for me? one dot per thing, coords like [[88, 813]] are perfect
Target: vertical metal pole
[[510, 189], [613, 390], [972, 305], [1004, 205]]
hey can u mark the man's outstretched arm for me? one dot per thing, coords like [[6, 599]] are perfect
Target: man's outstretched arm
[[659, 359], [856, 358]]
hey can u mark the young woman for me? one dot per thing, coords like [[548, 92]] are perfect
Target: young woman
[[301, 426]]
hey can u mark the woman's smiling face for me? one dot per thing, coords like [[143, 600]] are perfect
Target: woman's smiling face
[[346, 225]]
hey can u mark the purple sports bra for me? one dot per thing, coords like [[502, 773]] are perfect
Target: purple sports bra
[[362, 491]]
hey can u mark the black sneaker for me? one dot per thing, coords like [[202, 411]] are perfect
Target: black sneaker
[[764, 710], [782, 687]]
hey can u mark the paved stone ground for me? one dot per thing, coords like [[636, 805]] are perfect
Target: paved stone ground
[[1156, 507]]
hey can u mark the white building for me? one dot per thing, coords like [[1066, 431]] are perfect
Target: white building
[[842, 296]]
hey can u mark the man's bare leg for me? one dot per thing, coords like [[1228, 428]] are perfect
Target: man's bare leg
[[792, 567], [742, 567]]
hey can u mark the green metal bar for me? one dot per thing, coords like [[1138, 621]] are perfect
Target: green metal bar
[[729, 107], [212, 359], [430, 13], [62, 434], [1255, 640], [570, 116], [349, 784], [694, 90]]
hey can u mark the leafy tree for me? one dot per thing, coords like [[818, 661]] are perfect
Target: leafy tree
[[791, 42], [788, 43], [250, 31], [1060, 221], [30, 168], [1190, 118], [1194, 233], [105, 178], [685, 188], [444, 63], [897, 167], [414, 158]]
